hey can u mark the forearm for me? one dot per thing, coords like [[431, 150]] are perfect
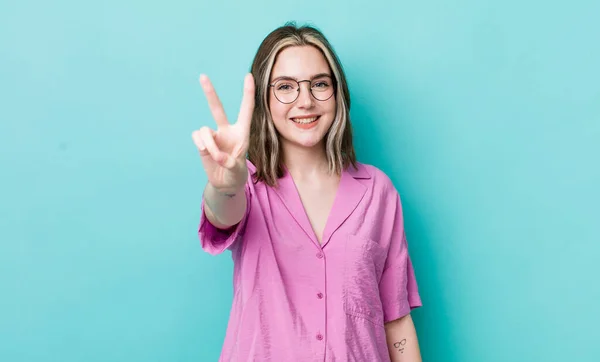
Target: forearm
[[224, 208], [402, 340]]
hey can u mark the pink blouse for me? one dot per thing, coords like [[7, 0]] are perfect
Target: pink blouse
[[297, 300]]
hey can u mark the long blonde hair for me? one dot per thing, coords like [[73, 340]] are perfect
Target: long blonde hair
[[265, 147]]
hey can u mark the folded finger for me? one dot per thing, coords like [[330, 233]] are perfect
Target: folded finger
[[208, 141], [199, 144]]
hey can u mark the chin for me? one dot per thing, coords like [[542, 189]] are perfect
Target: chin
[[302, 140], [309, 139], [308, 143]]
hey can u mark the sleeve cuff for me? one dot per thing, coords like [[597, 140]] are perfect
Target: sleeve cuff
[[214, 240]]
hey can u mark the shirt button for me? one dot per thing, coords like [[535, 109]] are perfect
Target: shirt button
[[320, 295], [320, 255], [319, 337]]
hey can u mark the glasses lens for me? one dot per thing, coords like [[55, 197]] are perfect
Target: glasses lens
[[286, 90], [322, 88]]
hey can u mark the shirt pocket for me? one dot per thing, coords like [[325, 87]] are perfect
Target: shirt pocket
[[364, 260]]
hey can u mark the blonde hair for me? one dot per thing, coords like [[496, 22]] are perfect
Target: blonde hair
[[265, 147]]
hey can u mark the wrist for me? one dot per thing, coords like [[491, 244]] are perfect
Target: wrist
[[227, 192]]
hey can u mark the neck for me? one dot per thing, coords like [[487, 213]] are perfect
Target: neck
[[305, 163]]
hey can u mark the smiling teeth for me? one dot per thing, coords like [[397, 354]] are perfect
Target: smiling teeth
[[304, 120]]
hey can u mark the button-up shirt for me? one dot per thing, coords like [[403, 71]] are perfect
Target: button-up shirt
[[298, 299]]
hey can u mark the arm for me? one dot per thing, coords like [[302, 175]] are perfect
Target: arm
[[402, 341], [224, 208], [223, 157]]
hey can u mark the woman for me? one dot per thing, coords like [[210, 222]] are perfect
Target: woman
[[321, 265]]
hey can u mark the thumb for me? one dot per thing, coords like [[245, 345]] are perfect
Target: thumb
[[229, 162], [240, 150]]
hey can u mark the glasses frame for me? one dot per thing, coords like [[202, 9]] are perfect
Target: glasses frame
[[310, 89]]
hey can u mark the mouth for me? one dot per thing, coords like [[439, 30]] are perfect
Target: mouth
[[305, 122]]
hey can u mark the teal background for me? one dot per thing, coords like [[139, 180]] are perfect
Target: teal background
[[486, 115]]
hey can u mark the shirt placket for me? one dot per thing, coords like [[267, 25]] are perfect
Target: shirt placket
[[321, 300]]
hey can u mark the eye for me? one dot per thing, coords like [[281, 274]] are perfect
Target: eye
[[285, 87], [321, 84]]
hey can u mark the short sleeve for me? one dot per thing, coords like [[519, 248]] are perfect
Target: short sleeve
[[398, 286], [214, 240]]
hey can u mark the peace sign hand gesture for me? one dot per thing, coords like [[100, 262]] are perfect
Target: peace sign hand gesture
[[223, 152]]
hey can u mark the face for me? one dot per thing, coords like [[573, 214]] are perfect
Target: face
[[305, 120]]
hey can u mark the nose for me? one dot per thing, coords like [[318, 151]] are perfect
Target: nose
[[305, 98]]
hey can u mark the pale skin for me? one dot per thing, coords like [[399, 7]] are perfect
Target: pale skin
[[223, 151], [402, 341]]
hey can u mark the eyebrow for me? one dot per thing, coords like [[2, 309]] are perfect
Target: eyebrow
[[296, 79]]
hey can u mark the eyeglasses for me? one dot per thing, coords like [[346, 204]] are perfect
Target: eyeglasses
[[287, 90]]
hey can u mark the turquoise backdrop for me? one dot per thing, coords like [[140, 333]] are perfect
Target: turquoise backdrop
[[486, 115]]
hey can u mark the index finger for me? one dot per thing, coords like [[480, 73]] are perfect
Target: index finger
[[247, 107], [216, 108]]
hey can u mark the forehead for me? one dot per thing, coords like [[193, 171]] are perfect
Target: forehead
[[300, 62]]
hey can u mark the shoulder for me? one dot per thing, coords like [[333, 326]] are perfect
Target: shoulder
[[382, 192], [380, 181]]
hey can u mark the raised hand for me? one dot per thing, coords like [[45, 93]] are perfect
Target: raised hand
[[223, 151]]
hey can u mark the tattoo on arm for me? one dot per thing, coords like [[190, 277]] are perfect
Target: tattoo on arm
[[400, 345], [227, 194], [209, 204]]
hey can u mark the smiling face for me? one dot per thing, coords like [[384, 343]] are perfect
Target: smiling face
[[305, 120], [277, 131]]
